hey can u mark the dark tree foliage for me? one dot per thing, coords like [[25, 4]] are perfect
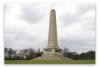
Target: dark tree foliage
[[76, 57], [90, 55], [83, 56], [9, 53], [32, 54]]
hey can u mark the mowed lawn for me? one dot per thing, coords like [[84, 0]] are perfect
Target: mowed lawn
[[49, 62]]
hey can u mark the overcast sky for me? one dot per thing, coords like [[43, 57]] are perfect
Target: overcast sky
[[27, 24]]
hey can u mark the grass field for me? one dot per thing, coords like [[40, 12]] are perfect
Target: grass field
[[49, 62]]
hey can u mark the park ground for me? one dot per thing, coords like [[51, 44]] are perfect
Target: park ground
[[49, 62]]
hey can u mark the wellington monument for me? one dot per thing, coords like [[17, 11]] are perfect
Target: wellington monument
[[52, 52]]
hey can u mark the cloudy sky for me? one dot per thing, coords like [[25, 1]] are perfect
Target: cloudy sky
[[26, 25]]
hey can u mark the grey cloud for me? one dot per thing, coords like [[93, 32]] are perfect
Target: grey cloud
[[85, 8], [77, 45], [19, 39], [91, 25], [69, 18], [32, 14]]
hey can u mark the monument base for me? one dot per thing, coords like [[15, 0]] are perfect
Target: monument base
[[52, 55]]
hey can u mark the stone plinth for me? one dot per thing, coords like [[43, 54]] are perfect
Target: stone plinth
[[52, 56]]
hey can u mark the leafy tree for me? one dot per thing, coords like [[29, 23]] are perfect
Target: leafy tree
[[6, 52], [83, 56], [71, 54], [38, 53], [76, 57], [10, 52], [32, 53], [91, 55]]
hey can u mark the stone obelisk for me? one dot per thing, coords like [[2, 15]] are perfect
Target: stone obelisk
[[52, 52], [52, 37]]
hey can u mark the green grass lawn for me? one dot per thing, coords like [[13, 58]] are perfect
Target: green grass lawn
[[49, 62]]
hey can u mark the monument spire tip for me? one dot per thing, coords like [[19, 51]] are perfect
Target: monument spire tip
[[52, 9]]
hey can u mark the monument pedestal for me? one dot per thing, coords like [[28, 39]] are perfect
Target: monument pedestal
[[52, 50], [52, 54]]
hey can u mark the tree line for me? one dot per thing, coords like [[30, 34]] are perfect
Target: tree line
[[24, 54], [30, 53], [89, 55]]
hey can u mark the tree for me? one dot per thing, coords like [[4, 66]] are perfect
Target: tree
[[91, 55], [14, 54], [71, 55], [23, 53], [83, 56], [65, 51], [6, 52], [32, 53], [10, 52], [38, 53], [76, 57], [27, 53]]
